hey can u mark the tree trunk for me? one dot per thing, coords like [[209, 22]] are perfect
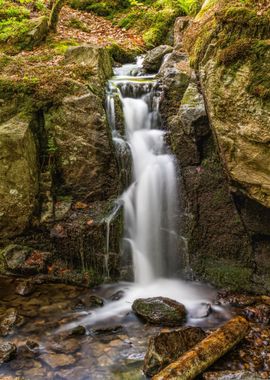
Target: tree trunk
[[205, 353], [54, 16]]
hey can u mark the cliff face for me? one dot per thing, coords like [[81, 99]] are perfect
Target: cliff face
[[59, 174], [226, 162]]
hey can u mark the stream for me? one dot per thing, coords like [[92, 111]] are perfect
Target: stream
[[111, 341]]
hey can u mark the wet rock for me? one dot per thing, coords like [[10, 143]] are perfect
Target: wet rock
[[91, 301], [258, 314], [8, 321], [107, 330], [68, 346], [78, 330], [231, 375], [25, 260], [238, 300], [25, 288], [61, 209], [32, 345], [166, 347], [154, 57], [7, 352], [58, 360], [201, 311], [160, 310], [117, 296]]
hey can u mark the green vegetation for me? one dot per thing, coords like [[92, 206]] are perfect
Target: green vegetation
[[152, 18]]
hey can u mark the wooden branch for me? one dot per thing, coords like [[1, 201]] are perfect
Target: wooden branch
[[205, 353]]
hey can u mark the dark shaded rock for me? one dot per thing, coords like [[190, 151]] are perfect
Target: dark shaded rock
[[108, 330], [117, 296], [78, 330], [232, 375], [7, 352], [25, 288], [25, 260], [166, 347], [154, 57], [160, 310]]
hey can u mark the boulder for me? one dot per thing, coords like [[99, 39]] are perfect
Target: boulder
[[160, 310], [166, 347], [93, 56], [18, 176], [86, 155], [154, 57], [25, 260], [7, 352]]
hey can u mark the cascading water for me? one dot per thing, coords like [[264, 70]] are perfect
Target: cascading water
[[151, 200], [150, 203]]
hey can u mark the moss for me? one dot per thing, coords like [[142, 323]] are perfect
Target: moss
[[121, 55], [236, 51], [228, 275]]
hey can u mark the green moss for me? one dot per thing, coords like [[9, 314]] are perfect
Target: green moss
[[119, 54], [235, 52], [62, 46], [228, 275]]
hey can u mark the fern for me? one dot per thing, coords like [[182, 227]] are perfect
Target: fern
[[190, 7]]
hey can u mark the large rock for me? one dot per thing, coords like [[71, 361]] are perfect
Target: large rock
[[86, 155], [153, 58], [160, 310], [93, 56], [228, 44], [18, 176], [166, 347]]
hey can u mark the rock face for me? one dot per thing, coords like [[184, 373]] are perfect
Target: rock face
[[153, 58], [60, 170], [19, 176], [86, 160], [166, 347], [160, 310], [233, 72]]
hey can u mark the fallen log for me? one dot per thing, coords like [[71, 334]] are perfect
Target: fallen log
[[205, 353]]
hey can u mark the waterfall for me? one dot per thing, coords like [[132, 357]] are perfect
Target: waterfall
[[150, 202]]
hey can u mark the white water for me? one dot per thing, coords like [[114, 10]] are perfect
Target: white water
[[150, 205]]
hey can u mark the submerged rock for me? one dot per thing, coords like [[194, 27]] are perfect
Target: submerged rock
[[58, 360], [154, 57], [166, 347], [7, 352], [160, 310]]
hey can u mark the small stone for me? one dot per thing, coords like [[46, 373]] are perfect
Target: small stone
[[7, 352], [25, 288], [58, 360], [160, 310], [78, 330]]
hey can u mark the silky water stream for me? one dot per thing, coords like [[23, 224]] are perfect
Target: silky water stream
[[115, 341]]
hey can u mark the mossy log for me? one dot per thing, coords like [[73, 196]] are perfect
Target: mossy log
[[205, 353]]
